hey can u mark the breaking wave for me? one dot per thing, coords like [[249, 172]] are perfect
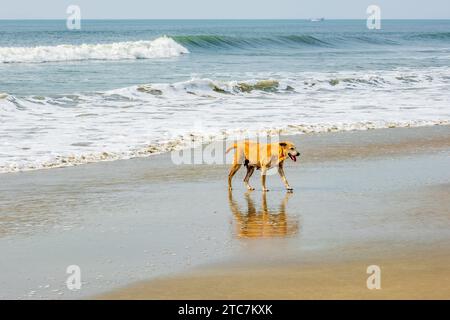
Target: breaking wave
[[176, 45], [163, 47]]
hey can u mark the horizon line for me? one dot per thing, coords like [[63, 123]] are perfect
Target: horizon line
[[215, 19]]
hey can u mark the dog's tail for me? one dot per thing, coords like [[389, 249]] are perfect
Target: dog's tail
[[234, 146]]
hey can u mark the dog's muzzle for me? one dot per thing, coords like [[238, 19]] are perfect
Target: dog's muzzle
[[294, 158]]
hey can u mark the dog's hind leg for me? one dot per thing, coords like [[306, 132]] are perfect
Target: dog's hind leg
[[263, 178], [250, 170], [233, 170]]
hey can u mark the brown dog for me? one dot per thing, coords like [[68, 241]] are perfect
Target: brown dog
[[261, 156]]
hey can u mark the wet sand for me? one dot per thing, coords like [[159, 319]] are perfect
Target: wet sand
[[162, 231], [417, 275]]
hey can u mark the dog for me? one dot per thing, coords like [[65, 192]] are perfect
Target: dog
[[254, 155]]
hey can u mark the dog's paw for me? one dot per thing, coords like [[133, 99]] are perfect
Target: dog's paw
[[250, 188], [289, 189], [265, 190]]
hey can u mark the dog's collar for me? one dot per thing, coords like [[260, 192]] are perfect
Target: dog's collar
[[281, 155]]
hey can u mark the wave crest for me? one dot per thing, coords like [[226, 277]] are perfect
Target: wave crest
[[219, 41], [431, 36], [163, 47]]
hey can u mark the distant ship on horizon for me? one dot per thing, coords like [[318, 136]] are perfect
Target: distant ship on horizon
[[316, 19]]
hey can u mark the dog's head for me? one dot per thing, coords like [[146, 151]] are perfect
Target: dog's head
[[289, 149]]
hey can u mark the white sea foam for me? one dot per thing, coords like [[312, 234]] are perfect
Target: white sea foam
[[45, 132], [163, 47]]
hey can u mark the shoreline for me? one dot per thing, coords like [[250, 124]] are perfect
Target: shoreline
[[356, 195], [183, 144]]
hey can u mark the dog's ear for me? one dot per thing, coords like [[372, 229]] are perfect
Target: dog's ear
[[283, 144]]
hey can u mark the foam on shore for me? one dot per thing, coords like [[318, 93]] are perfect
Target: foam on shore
[[40, 132]]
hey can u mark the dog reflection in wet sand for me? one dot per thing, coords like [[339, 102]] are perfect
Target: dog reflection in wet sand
[[264, 223]]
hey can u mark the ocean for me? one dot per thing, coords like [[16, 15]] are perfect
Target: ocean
[[117, 89]]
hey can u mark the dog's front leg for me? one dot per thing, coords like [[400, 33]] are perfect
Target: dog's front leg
[[263, 178], [283, 177]]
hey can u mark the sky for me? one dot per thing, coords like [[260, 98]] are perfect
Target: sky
[[224, 9]]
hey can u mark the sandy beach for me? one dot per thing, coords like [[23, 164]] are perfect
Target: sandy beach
[[146, 229], [405, 276]]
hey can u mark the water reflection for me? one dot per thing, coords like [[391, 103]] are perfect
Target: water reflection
[[263, 223]]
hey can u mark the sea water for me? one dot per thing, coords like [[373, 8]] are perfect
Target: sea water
[[117, 89]]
